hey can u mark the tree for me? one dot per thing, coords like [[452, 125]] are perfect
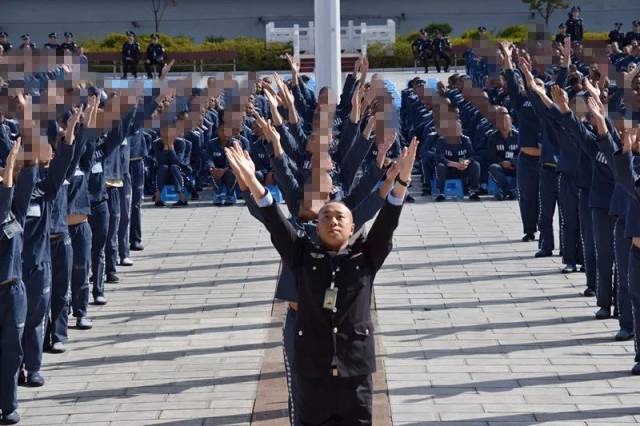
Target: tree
[[159, 8], [545, 8]]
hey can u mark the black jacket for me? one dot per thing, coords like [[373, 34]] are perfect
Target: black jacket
[[574, 29], [343, 339]]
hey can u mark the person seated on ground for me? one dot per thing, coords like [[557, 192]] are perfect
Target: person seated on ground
[[168, 152], [503, 151], [215, 161], [454, 157]]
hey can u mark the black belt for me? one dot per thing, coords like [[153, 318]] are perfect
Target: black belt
[[549, 166], [8, 282]]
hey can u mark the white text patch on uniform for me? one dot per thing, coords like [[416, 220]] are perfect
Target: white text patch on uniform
[[34, 210]]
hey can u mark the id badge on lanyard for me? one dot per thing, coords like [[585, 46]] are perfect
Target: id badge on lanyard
[[34, 210], [11, 229]]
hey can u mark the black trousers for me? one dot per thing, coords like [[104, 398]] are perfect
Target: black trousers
[[129, 67], [622, 249], [603, 233], [548, 200], [153, 65], [333, 401], [634, 293], [528, 180], [569, 220], [586, 236]]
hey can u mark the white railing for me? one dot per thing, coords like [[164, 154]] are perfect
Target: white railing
[[354, 38]]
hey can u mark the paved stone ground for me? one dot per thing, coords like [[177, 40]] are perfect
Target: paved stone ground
[[477, 331], [474, 330]]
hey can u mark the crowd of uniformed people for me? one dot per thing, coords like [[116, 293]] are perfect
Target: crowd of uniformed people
[[544, 123]]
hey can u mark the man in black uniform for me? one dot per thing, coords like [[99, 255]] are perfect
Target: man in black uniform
[[26, 42], [617, 36], [562, 33], [574, 25], [631, 35], [441, 49], [68, 44], [422, 49], [334, 347], [53, 42], [155, 56], [130, 55], [4, 42]]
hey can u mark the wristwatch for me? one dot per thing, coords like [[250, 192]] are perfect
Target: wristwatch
[[403, 183]]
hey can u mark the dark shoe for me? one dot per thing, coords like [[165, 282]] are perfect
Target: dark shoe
[[474, 196], [136, 247], [409, 199], [528, 237], [636, 370], [543, 253], [113, 278], [509, 195], [582, 268], [34, 379], [603, 313], [22, 377], [180, 203], [84, 323], [126, 262], [589, 293], [58, 348], [569, 269], [623, 335], [100, 300], [440, 198], [159, 204], [11, 418]]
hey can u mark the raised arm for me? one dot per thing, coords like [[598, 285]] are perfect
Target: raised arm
[[283, 235]]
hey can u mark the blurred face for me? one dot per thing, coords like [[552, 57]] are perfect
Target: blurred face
[[335, 225], [52, 40], [131, 39]]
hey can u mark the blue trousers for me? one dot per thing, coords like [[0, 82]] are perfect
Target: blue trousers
[[61, 258], [169, 174], [634, 294], [111, 246], [99, 222], [13, 314], [471, 174], [499, 175], [528, 181], [125, 193], [569, 219], [603, 226], [586, 237], [136, 171], [37, 281], [288, 349], [548, 198], [622, 250], [81, 244]]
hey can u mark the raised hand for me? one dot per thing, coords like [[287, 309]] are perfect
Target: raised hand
[[364, 68], [166, 68], [273, 105], [10, 163], [69, 133], [560, 98], [384, 148], [629, 138], [598, 115], [566, 52], [371, 122], [407, 159]]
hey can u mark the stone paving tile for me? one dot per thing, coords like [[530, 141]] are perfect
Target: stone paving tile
[[473, 330], [477, 331]]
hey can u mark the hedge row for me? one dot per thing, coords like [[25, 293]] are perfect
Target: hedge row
[[254, 55]]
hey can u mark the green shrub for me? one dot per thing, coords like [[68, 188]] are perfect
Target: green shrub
[[443, 27], [514, 33], [596, 36]]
